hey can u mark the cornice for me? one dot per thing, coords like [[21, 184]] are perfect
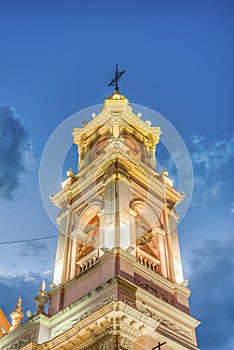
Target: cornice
[[123, 113]]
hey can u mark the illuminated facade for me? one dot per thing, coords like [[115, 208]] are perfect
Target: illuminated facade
[[4, 324], [118, 280]]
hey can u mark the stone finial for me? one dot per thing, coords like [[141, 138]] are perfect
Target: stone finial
[[70, 178], [17, 315], [164, 173], [41, 299], [70, 173], [168, 181]]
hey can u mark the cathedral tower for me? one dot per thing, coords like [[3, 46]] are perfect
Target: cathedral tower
[[118, 242], [118, 280]]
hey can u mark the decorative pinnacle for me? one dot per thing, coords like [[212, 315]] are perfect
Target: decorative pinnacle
[[17, 315], [18, 305], [41, 299], [43, 286], [118, 75]]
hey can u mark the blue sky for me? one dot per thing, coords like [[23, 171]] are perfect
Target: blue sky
[[57, 58]]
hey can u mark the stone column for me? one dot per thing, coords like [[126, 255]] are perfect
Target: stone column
[[101, 216], [60, 269], [173, 246], [122, 215], [159, 242], [110, 213], [133, 237], [73, 256]]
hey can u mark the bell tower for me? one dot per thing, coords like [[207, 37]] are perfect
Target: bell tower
[[118, 280]]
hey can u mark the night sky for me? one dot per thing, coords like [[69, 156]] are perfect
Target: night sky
[[56, 59]]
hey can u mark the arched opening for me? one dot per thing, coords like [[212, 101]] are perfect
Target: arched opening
[[90, 238], [147, 247], [86, 238]]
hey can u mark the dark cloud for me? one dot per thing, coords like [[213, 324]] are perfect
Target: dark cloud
[[16, 151], [212, 285], [35, 249], [209, 161], [24, 286]]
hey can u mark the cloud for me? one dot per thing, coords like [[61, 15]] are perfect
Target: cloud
[[209, 161], [25, 285], [210, 156], [205, 191], [16, 152], [211, 281], [211, 164], [232, 208], [35, 249]]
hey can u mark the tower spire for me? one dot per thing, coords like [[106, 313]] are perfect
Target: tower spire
[[114, 81]]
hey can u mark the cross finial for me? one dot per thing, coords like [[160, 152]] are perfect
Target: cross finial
[[118, 75], [159, 346]]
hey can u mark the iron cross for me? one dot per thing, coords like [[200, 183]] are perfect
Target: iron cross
[[159, 346], [118, 75]]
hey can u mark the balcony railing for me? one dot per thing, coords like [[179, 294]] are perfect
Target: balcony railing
[[88, 261], [147, 260]]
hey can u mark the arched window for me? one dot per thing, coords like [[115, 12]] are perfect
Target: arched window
[[146, 221], [87, 231], [133, 147]]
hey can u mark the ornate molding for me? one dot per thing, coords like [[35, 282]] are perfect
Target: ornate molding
[[155, 290], [74, 320], [118, 333], [174, 327], [164, 321], [23, 341]]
